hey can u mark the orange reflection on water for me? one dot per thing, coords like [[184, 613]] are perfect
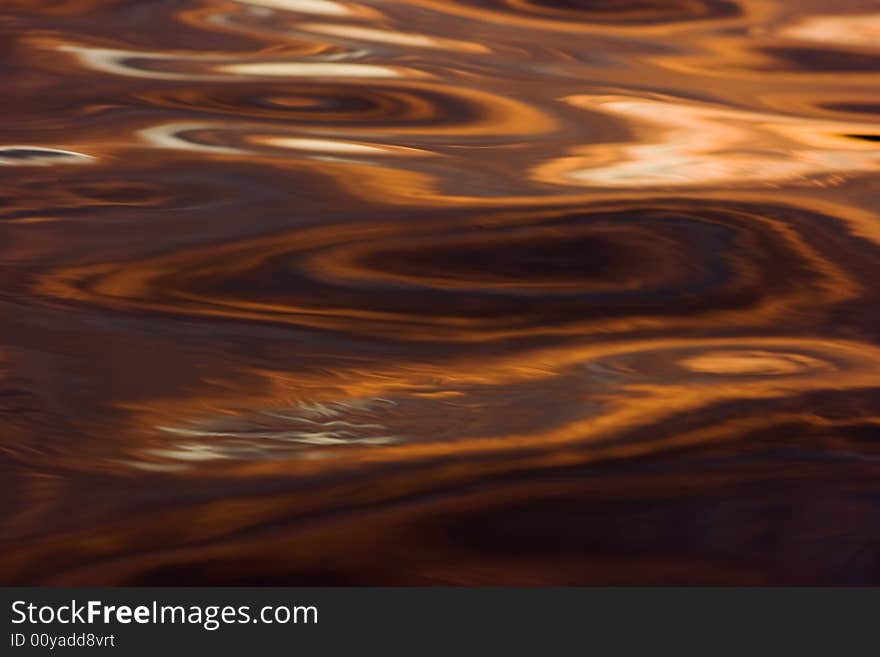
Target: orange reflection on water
[[422, 292], [684, 145]]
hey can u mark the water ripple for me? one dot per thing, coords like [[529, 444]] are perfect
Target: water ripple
[[439, 291]]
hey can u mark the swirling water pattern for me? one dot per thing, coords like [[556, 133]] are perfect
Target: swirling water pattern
[[440, 292]]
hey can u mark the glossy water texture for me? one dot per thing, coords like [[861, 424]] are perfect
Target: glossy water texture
[[440, 292]]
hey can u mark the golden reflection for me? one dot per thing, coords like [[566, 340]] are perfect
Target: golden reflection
[[323, 7], [761, 363], [277, 428], [333, 146], [317, 70], [439, 292], [861, 30], [691, 144], [143, 64]]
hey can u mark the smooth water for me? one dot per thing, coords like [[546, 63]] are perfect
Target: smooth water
[[440, 292]]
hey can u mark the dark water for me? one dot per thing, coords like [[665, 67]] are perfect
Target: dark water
[[440, 292]]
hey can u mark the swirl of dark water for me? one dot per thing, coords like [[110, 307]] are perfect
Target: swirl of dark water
[[617, 266], [572, 14], [331, 105], [619, 11]]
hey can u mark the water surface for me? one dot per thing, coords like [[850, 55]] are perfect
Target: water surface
[[440, 292]]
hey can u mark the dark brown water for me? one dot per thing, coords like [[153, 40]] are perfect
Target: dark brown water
[[440, 292]]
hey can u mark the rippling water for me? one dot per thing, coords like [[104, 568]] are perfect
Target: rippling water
[[440, 292]]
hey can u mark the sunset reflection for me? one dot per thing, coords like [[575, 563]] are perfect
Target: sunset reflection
[[440, 292]]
